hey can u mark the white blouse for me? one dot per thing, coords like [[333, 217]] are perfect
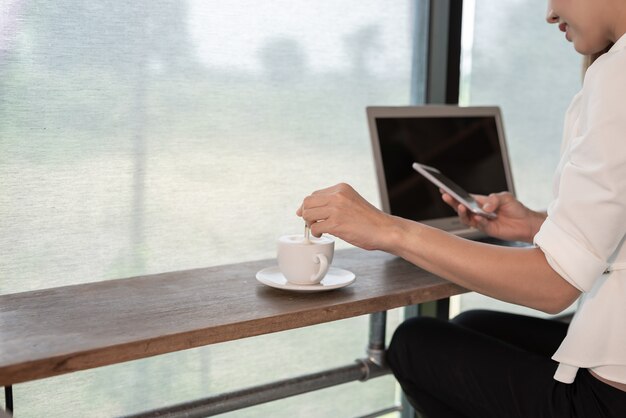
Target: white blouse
[[584, 235]]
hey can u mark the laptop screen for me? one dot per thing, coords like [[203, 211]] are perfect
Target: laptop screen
[[465, 143]]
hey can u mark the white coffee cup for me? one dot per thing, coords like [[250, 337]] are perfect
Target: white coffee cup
[[304, 261]]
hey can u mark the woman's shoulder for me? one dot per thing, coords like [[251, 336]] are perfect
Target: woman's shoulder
[[604, 89], [608, 73]]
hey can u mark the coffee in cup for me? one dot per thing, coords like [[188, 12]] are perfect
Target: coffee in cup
[[303, 261]]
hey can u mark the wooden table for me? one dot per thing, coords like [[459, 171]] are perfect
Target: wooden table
[[49, 332]]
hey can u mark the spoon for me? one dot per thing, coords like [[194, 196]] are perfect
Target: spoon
[[307, 234]]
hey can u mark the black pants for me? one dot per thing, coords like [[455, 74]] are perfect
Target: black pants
[[490, 364]]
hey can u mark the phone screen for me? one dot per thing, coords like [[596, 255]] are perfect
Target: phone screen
[[450, 187]]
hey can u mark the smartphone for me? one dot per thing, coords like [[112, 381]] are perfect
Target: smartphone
[[452, 189]]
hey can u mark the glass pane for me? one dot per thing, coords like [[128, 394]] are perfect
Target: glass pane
[[151, 136], [512, 58], [143, 137]]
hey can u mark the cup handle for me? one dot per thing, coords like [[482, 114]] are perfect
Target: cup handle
[[323, 262]]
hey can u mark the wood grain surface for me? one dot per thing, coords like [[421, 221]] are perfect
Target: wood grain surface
[[54, 331]]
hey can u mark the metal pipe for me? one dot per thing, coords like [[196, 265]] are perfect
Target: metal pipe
[[362, 369], [376, 345], [383, 412]]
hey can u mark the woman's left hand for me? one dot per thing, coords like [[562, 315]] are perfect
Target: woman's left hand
[[340, 211]]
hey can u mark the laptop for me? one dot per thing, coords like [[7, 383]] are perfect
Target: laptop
[[466, 144]]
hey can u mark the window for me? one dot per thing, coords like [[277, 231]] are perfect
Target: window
[[142, 137], [512, 58]]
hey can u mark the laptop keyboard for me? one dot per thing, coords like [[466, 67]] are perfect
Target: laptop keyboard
[[504, 243]]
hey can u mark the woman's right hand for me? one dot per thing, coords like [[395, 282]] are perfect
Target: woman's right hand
[[515, 222]]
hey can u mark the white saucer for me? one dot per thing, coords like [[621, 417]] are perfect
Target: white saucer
[[334, 279]]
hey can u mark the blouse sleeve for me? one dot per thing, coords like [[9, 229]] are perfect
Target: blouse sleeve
[[587, 220]]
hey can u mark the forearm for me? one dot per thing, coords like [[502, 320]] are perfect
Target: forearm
[[516, 275]]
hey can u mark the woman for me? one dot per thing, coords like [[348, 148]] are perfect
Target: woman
[[485, 364]]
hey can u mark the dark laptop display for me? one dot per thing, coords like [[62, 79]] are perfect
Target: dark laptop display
[[465, 144]]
